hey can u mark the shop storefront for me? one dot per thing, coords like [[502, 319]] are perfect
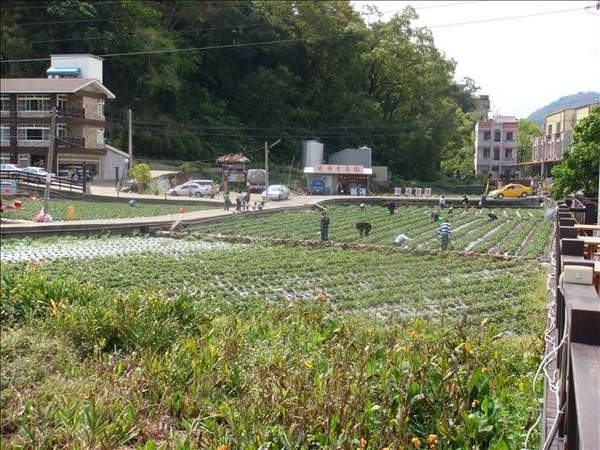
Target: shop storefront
[[341, 179]]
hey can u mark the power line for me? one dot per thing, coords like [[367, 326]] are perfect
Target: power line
[[288, 41], [500, 19]]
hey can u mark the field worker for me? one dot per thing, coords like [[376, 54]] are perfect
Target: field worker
[[442, 202], [400, 239], [324, 225], [391, 206], [466, 202], [444, 232]]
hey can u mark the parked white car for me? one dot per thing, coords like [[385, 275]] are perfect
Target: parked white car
[[192, 190], [36, 174], [12, 168], [36, 171], [214, 186], [277, 192]]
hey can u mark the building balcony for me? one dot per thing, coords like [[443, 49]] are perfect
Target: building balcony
[[70, 112], [70, 142]]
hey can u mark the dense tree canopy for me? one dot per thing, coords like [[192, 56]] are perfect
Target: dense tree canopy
[[208, 78], [580, 168]]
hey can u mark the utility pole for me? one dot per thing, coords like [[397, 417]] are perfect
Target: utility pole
[[130, 140], [50, 161], [266, 170], [267, 147]]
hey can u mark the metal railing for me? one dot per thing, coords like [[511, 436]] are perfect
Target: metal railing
[[58, 183]]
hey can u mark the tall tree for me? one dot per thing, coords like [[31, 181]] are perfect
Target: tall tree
[[411, 81]]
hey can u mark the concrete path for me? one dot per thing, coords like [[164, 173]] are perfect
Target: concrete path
[[107, 189]]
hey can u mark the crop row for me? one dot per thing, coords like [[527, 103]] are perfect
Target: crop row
[[471, 231], [244, 276]]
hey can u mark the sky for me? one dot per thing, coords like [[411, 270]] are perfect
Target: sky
[[523, 54]]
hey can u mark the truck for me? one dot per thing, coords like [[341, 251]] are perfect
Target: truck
[[256, 180]]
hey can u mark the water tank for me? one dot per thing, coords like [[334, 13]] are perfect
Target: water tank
[[312, 153], [256, 176]]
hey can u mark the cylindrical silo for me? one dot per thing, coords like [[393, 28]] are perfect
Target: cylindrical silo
[[312, 153]]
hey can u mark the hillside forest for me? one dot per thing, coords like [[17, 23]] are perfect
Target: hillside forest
[[207, 78]]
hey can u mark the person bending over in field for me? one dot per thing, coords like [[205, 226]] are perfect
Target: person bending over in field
[[364, 228], [400, 239]]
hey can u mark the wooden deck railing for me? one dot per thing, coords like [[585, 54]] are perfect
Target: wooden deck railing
[[572, 396]]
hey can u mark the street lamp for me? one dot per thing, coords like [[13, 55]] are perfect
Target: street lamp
[[267, 147]]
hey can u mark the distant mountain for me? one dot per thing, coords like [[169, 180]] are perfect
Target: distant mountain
[[569, 101]]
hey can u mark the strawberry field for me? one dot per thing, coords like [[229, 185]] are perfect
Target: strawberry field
[[517, 232], [251, 333]]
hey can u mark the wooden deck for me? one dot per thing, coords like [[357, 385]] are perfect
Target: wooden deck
[[571, 385]]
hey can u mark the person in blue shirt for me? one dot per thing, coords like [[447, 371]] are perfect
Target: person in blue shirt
[[444, 232]]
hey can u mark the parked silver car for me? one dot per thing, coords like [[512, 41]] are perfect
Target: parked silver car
[[277, 192], [192, 190]]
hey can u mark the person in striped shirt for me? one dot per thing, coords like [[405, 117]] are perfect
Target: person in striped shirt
[[444, 232]]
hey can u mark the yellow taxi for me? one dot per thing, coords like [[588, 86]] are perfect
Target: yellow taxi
[[511, 190]]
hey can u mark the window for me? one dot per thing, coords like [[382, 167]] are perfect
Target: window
[[550, 129], [100, 136], [487, 135], [101, 107], [558, 127], [509, 136], [496, 136], [33, 133], [33, 103], [5, 103], [4, 133], [496, 153], [486, 152], [61, 130], [62, 102], [508, 152]]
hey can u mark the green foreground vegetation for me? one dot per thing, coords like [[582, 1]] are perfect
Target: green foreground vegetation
[[273, 346]]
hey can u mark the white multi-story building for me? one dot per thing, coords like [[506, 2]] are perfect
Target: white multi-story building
[[496, 147]]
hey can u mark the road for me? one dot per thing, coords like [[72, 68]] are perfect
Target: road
[[106, 189]]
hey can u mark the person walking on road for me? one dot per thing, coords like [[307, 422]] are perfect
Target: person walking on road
[[444, 232], [324, 226], [226, 201]]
